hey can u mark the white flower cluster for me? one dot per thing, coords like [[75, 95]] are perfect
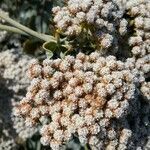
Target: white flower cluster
[[20, 127], [102, 18], [13, 84], [13, 67], [79, 96], [109, 23], [7, 144], [140, 42]]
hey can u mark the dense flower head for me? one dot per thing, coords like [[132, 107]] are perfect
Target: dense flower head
[[98, 18], [139, 10], [100, 13], [79, 95], [108, 23]]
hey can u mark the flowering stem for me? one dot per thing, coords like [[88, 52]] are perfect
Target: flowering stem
[[41, 36], [12, 29]]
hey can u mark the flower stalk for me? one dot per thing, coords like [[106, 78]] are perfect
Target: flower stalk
[[22, 29], [12, 29]]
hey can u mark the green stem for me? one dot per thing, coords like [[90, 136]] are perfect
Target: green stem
[[41, 36], [38, 146], [12, 29], [86, 147]]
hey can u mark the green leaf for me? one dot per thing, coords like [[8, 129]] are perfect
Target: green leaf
[[53, 47], [50, 47]]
